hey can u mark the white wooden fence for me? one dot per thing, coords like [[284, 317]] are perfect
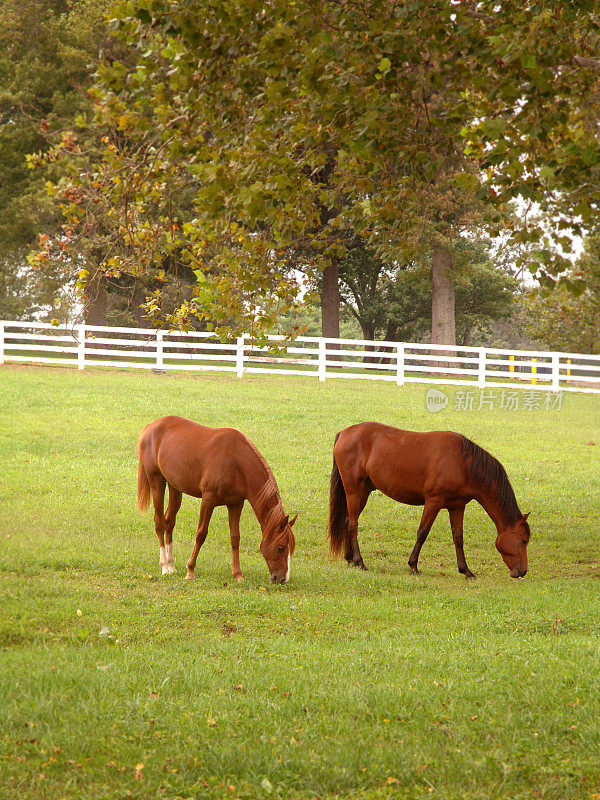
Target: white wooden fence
[[398, 362]]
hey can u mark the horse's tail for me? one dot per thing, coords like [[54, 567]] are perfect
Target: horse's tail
[[339, 532], [143, 492]]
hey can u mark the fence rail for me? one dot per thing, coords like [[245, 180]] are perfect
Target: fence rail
[[398, 362]]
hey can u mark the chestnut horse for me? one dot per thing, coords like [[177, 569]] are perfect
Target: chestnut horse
[[224, 468], [437, 470]]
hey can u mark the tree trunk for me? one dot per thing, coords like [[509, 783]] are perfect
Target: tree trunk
[[443, 330], [330, 301], [95, 300], [139, 297], [368, 331], [442, 304]]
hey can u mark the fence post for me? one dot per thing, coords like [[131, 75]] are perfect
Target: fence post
[[400, 365], [1, 343], [533, 370], [159, 350], [239, 357], [555, 372], [481, 369], [322, 359], [81, 346], [511, 366], [569, 370]]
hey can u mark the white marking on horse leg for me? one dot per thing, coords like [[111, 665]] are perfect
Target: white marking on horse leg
[[287, 574], [190, 575], [170, 559], [162, 562]]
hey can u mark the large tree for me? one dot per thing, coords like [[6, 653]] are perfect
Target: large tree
[[408, 123], [393, 301], [568, 317], [48, 52]]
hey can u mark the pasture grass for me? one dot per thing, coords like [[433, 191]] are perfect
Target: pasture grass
[[118, 683]]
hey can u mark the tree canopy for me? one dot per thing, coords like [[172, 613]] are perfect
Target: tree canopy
[[243, 130], [48, 53], [570, 321]]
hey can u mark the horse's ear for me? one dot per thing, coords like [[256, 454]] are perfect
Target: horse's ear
[[294, 520], [284, 522], [525, 516]]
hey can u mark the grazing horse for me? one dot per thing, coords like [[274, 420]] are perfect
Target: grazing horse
[[437, 470], [224, 468]]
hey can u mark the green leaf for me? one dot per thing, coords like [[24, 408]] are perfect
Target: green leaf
[[528, 60], [384, 66]]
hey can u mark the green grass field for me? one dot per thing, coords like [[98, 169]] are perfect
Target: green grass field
[[118, 683]]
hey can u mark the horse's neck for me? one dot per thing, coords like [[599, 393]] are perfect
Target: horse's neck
[[491, 504], [263, 503]]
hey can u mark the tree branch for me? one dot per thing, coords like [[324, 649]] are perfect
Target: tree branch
[[587, 63]]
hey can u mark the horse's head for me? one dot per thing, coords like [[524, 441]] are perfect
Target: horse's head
[[511, 543], [277, 549]]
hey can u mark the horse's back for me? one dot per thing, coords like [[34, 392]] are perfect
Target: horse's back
[[190, 455], [405, 465], [186, 431]]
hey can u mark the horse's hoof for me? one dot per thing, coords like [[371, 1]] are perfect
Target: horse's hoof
[[470, 576], [414, 571], [239, 578], [190, 575]]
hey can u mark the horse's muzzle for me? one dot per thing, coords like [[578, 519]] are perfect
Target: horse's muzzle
[[277, 579], [517, 572]]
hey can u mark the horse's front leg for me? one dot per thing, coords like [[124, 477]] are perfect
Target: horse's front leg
[[235, 513], [456, 523], [430, 512], [206, 508]]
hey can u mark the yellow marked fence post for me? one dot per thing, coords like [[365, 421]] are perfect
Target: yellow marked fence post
[[511, 366], [533, 370]]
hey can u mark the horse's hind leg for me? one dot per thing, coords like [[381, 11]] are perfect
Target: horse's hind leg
[[170, 516], [206, 509], [456, 523], [430, 512], [356, 501], [157, 487], [235, 512]]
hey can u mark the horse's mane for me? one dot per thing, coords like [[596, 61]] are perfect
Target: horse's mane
[[488, 473], [269, 496]]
